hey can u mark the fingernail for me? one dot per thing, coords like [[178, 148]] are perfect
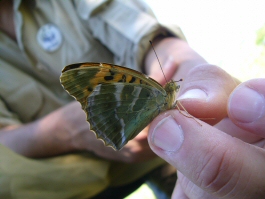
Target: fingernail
[[168, 135], [194, 94], [246, 105]]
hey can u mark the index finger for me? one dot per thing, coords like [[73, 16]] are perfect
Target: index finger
[[205, 91]]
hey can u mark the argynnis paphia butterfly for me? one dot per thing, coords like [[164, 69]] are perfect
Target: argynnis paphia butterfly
[[119, 102]]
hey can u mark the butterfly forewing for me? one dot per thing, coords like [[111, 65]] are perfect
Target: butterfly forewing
[[80, 79], [119, 102]]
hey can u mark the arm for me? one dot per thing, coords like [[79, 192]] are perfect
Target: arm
[[65, 130], [44, 137]]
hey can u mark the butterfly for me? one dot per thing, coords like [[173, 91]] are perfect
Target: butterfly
[[119, 102]]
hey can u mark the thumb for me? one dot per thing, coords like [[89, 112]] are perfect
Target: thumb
[[214, 161], [246, 106]]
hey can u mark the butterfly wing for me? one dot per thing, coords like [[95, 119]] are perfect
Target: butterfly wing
[[118, 112], [79, 80], [119, 102]]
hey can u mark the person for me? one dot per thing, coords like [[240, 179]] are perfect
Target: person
[[221, 161], [47, 149]]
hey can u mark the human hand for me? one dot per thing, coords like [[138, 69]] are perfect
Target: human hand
[[210, 162]]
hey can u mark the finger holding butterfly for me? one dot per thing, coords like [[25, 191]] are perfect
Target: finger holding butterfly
[[246, 112], [215, 159], [210, 163], [205, 91]]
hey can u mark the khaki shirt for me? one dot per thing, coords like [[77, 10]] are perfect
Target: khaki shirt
[[89, 31]]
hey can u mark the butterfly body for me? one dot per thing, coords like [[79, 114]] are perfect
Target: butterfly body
[[119, 102]]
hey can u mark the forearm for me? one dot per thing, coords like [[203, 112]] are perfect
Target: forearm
[[37, 139]]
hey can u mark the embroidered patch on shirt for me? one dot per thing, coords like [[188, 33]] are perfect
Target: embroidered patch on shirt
[[49, 37]]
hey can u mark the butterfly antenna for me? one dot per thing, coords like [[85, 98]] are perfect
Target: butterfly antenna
[[158, 60], [180, 80]]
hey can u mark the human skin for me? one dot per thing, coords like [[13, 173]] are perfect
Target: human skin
[[222, 161]]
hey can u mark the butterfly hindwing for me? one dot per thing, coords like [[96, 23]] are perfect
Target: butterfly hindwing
[[118, 112]]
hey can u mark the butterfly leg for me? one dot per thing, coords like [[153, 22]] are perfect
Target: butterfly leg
[[185, 113]]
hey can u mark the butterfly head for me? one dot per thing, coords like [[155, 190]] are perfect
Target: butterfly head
[[171, 87]]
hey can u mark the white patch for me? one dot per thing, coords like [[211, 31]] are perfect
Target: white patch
[[117, 94], [122, 131], [94, 92], [123, 138], [97, 88], [136, 92]]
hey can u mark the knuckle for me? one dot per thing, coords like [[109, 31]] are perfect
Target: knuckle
[[217, 172]]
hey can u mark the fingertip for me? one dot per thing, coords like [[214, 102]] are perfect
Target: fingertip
[[246, 105], [205, 91], [167, 135]]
